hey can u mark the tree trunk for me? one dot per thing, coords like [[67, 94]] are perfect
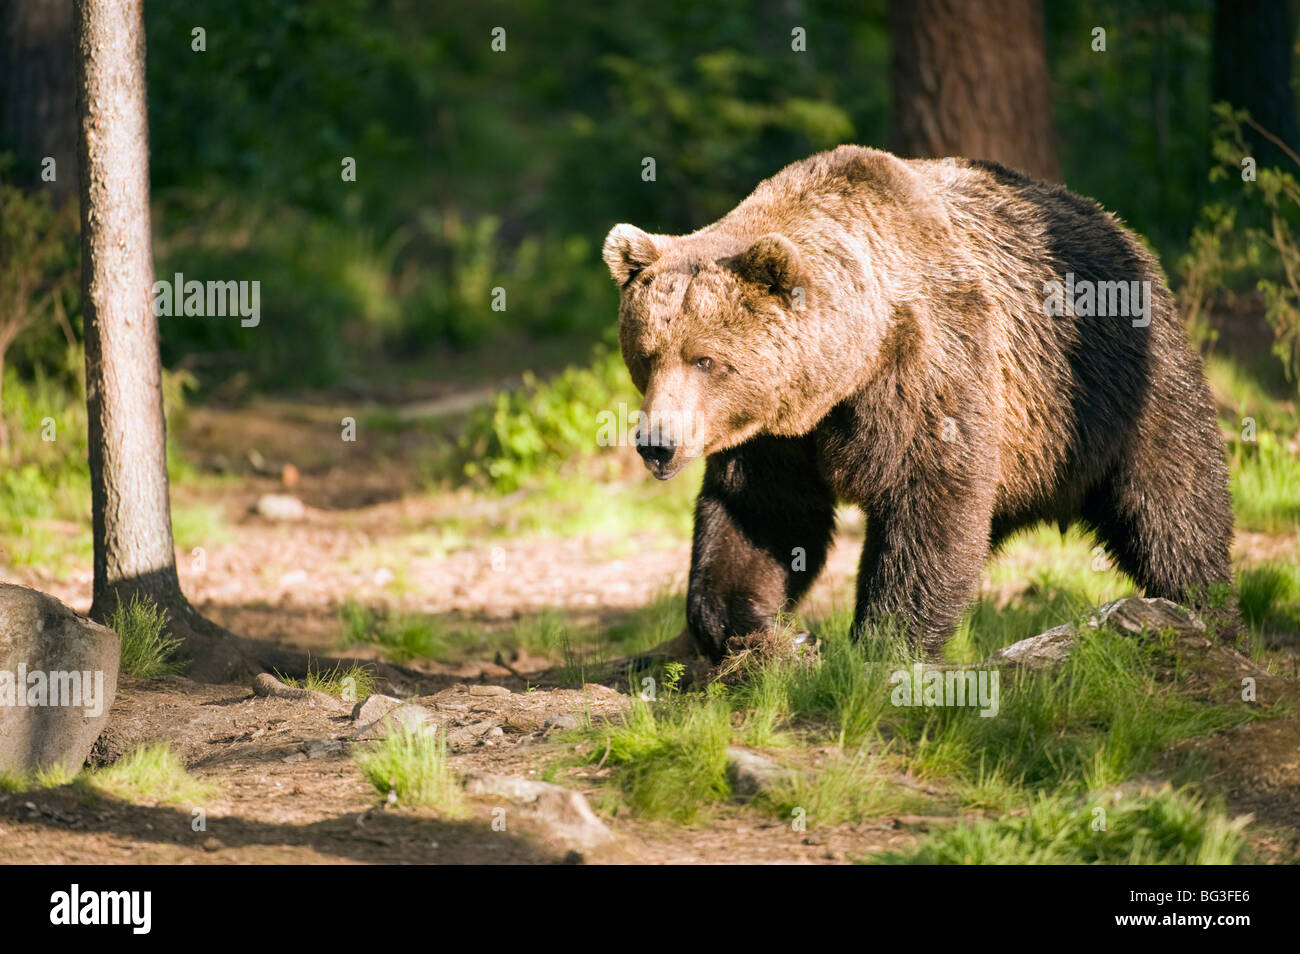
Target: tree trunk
[[38, 93], [131, 511], [970, 79], [1252, 71]]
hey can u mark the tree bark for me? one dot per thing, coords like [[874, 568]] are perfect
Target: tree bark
[[131, 510], [970, 79], [38, 93], [1252, 71]]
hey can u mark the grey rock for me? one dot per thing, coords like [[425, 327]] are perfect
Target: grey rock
[[320, 747], [562, 722], [468, 735], [1037, 652], [73, 656], [563, 812], [751, 774], [407, 717], [1135, 615], [1132, 616], [280, 507], [373, 708]]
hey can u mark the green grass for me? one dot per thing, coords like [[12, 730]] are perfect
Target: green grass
[[401, 636], [1167, 828], [1265, 475], [1268, 596], [841, 788], [1100, 718], [410, 767], [348, 683], [11, 781], [149, 774], [671, 756], [147, 648]]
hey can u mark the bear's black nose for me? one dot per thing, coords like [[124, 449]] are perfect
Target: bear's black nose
[[657, 455]]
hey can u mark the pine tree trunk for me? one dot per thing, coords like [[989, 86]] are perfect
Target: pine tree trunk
[[1252, 71], [131, 511], [970, 79]]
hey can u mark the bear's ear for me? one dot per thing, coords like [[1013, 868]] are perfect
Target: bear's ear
[[772, 260], [627, 251]]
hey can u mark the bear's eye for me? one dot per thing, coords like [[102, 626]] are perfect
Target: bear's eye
[[704, 364]]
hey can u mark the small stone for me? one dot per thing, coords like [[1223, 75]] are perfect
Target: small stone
[[211, 844], [280, 507], [562, 722], [373, 708], [488, 691], [564, 812], [406, 717], [296, 757], [1036, 652], [751, 774], [1135, 615], [319, 747]]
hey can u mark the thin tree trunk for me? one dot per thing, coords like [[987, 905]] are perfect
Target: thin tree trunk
[[970, 79], [131, 511]]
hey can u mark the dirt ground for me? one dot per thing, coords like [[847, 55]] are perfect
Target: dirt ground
[[287, 787]]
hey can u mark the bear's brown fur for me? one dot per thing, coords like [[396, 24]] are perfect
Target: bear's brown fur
[[874, 330]]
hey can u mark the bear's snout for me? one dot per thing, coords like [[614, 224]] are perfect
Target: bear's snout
[[658, 455]]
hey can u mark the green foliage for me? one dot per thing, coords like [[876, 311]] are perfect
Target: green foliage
[[151, 774], [402, 636], [147, 648], [410, 767], [1132, 122], [1268, 597], [39, 259], [1166, 828], [1096, 719], [348, 683], [1249, 235], [531, 432], [841, 788], [670, 755]]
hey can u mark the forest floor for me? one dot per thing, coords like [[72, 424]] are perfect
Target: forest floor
[[484, 583]]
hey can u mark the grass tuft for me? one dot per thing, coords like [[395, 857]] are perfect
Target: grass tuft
[[1167, 828], [347, 683], [671, 755], [151, 774], [410, 767], [147, 647]]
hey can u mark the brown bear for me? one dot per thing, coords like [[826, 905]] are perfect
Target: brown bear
[[957, 349]]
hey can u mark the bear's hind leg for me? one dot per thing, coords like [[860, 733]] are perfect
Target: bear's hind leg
[[1168, 527]]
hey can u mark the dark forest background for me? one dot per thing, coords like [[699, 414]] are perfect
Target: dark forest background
[[478, 168]]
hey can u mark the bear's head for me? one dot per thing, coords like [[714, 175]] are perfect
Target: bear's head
[[710, 329]]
